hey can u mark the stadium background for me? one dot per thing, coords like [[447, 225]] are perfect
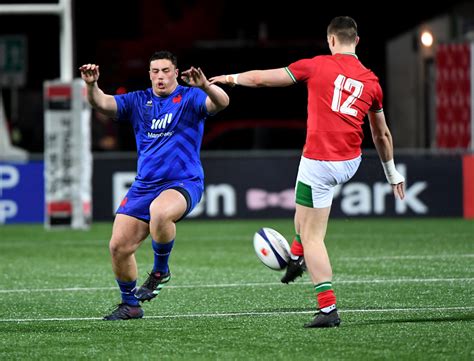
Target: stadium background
[[219, 36]]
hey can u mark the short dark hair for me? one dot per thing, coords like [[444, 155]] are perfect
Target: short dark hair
[[344, 28], [164, 54]]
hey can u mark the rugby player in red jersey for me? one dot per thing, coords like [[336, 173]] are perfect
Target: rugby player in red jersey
[[341, 92]]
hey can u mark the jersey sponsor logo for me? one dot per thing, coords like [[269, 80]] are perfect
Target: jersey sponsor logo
[[161, 123], [159, 135]]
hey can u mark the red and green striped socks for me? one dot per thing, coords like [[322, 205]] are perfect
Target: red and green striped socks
[[326, 297], [297, 247], [324, 292]]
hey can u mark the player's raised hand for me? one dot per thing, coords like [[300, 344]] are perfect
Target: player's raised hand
[[90, 73], [194, 77]]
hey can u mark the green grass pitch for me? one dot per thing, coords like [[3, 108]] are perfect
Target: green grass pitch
[[404, 288]]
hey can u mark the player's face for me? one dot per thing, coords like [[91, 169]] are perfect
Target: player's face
[[163, 76]]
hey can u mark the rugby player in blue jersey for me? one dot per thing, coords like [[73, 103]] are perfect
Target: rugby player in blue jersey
[[168, 121]]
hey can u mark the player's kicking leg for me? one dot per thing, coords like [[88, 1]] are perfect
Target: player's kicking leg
[[296, 265]]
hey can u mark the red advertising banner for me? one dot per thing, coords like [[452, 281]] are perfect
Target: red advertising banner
[[468, 185], [453, 96]]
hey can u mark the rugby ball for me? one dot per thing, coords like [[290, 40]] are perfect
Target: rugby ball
[[271, 248]]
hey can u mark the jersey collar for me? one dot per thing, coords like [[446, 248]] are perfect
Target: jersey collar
[[348, 53]]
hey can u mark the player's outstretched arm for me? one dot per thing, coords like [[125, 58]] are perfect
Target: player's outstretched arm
[[100, 101], [217, 99], [383, 143], [256, 78]]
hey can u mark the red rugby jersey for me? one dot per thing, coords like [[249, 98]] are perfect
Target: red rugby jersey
[[341, 91]]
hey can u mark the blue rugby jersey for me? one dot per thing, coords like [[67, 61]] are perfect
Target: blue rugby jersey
[[168, 132]]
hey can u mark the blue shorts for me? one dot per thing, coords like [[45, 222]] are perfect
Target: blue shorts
[[140, 195]]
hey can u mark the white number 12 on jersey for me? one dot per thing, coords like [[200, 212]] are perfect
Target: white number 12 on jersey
[[354, 87]]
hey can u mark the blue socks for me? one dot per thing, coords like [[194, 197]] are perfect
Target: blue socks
[[127, 289], [162, 254]]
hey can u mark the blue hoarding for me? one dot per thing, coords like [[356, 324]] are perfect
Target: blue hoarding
[[21, 192]]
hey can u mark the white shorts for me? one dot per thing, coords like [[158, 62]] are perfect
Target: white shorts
[[316, 180]]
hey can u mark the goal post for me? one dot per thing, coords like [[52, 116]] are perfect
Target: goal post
[[64, 10], [67, 156], [67, 115]]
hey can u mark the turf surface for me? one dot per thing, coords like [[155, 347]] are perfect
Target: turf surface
[[404, 287]]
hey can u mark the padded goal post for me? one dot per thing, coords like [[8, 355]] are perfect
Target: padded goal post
[[67, 155]]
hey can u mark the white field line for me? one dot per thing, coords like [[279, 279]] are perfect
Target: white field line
[[407, 257], [256, 284], [246, 314]]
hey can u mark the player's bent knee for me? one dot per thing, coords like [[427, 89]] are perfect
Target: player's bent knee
[[161, 219], [118, 246]]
